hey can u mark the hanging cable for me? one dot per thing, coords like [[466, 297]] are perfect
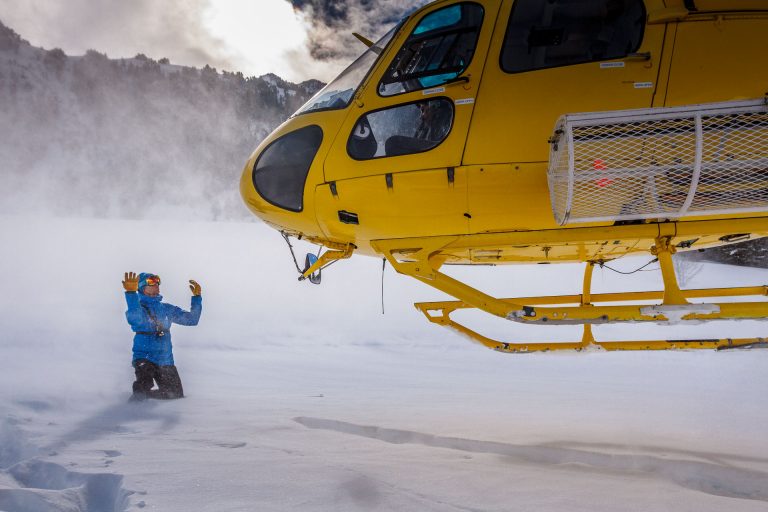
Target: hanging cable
[[327, 265], [296, 263], [603, 265], [383, 266], [290, 247]]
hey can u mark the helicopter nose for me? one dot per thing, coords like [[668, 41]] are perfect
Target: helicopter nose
[[280, 171]]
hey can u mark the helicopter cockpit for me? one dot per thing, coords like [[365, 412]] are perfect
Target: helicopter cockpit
[[435, 54]]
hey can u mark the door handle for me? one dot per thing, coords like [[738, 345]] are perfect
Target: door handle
[[459, 79], [641, 56]]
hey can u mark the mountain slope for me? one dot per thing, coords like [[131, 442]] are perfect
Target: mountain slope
[[132, 138]]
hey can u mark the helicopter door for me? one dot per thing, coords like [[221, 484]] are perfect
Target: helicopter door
[[414, 109], [717, 57], [394, 168], [556, 57]]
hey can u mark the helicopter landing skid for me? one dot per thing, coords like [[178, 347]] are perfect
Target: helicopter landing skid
[[584, 309], [440, 313]]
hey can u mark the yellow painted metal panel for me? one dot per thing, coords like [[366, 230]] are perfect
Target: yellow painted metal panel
[[422, 202], [729, 5], [509, 197], [515, 113], [578, 243], [719, 58]]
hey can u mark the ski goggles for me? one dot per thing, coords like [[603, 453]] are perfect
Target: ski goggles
[[152, 281]]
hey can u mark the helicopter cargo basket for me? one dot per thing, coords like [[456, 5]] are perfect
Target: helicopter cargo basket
[[660, 163]]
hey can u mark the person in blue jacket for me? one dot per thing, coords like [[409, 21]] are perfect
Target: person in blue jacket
[[151, 320]]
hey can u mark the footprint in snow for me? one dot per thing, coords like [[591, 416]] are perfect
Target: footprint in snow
[[231, 445], [35, 405]]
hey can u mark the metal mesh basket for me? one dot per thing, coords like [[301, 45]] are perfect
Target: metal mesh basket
[[660, 163]]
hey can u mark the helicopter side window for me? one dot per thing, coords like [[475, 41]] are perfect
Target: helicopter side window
[[401, 130], [438, 50], [565, 32]]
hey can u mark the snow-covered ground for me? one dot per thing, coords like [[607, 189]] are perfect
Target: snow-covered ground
[[303, 397]]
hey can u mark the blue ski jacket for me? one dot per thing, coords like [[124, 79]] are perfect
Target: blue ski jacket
[[151, 320]]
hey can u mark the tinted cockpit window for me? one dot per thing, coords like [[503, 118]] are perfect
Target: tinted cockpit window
[[438, 50], [281, 170], [401, 130], [545, 34]]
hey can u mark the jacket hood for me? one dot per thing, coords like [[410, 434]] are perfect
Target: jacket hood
[[147, 298], [143, 279]]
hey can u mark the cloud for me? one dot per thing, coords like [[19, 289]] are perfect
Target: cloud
[[331, 23], [314, 39], [171, 28]]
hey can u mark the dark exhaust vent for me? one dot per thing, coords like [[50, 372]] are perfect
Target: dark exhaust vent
[[348, 217]]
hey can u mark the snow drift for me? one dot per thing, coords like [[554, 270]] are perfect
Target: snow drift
[[307, 397]]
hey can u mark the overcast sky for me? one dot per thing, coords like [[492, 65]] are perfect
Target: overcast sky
[[295, 39]]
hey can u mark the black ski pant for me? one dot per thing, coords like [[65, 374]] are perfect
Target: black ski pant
[[167, 378]]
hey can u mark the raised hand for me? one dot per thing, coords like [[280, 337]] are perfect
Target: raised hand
[[194, 287], [131, 282]]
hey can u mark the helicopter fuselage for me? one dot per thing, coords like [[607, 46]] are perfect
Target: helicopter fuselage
[[444, 127]]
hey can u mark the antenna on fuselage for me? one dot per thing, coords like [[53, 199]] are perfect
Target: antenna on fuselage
[[367, 42]]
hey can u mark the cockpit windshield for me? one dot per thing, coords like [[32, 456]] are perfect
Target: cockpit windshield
[[338, 94]]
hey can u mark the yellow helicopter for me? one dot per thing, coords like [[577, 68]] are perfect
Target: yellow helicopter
[[531, 131]]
